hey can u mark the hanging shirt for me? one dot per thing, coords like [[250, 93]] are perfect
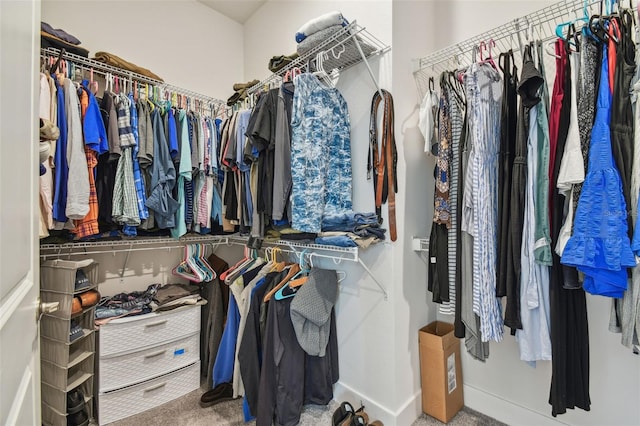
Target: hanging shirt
[[320, 154], [125, 199], [184, 174], [48, 106], [427, 121], [96, 143], [78, 179], [163, 178], [534, 337]]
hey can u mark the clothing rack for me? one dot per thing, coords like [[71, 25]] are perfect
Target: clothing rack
[[163, 88], [337, 254], [330, 45], [511, 35]]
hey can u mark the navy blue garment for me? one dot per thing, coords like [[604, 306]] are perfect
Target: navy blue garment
[[60, 161], [225, 359], [600, 245]]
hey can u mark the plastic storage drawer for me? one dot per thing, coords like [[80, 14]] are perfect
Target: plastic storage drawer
[[126, 335], [132, 400], [128, 369]]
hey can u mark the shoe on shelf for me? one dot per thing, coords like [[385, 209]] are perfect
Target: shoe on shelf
[[76, 306], [75, 332], [89, 298], [81, 418], [75, 401], [81, 280]]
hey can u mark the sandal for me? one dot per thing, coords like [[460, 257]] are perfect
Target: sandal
[[342, 414]]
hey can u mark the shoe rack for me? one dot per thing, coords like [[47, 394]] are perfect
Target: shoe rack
[[67, 341]]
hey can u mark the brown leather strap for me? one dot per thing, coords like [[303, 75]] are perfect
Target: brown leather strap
[[383, 159]]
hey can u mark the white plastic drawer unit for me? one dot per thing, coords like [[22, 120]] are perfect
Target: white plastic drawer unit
[[126, 402], [119, 371], [135, 333]]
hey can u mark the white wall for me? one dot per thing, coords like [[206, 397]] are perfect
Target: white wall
[[186, 43], [368, 328], [505, 387]]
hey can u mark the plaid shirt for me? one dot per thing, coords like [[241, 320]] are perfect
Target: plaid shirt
[[125, 199], [88, 225]]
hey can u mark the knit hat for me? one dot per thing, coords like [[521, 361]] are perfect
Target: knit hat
[[311, 310]]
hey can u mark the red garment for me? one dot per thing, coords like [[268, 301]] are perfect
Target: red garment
[[554, 115], [613, 31]]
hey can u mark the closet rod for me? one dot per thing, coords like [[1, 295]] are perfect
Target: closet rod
[[506, 36], [97, 65]]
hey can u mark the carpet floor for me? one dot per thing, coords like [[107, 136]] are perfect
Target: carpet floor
[[187, 411]]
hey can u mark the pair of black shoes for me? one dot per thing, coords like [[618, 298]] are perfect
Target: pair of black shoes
[[76, 411]]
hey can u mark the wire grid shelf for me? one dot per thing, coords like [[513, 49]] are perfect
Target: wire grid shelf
[[506, 36], [332, 252], [103, 69], [141, 244], [131, 242], [338, 48]]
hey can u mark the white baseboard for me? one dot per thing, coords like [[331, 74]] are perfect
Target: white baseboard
[[503, 410], [406, 415]]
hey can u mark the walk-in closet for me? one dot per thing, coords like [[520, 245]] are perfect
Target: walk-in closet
[[319, 213]]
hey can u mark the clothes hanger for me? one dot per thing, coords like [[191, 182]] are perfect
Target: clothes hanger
[[295, 268], [489, 59], [290, 288], [183, 270], [560, 28]]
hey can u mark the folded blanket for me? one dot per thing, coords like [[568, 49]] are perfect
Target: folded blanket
[[48, 40], [314, 40], [57, 32], [320, 23], [116, 61]]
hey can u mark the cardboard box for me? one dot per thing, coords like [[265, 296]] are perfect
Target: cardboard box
[[440, 371]]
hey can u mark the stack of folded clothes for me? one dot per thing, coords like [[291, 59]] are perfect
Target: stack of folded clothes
[[351, 230], [60, 39], [116, 61], [171, 296], [125, 304], [276, 63], [317, 31], [240, 90]]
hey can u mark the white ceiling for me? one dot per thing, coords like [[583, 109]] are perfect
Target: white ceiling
[[238, 10]]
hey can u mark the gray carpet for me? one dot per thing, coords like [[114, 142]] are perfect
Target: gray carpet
[[188, 411]]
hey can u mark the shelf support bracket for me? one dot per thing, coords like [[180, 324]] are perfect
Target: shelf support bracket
[[126, 261], [373, 277]]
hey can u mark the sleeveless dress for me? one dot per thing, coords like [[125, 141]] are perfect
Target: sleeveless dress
[[600, 246]]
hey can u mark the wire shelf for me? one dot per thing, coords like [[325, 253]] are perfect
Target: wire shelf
[[131, 242], [103, 69], [332, 46], [507, 36]]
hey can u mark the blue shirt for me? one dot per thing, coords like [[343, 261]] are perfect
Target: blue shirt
[[95, 135]]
